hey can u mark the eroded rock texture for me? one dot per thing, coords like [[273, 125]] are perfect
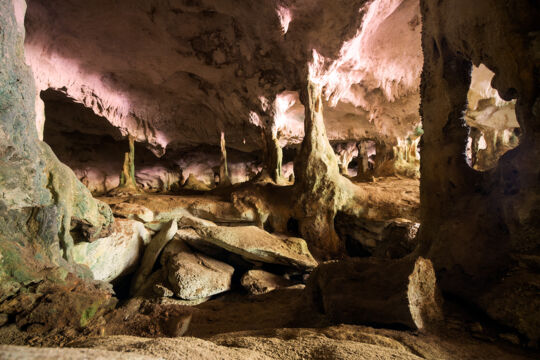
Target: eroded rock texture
[[42, 203], [478, 228], [176, 75]]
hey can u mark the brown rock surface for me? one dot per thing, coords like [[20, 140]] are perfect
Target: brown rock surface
[[258, 282], [255, 244], [377, 291]]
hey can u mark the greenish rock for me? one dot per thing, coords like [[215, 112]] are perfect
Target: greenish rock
[[42, 204], [116, 255]]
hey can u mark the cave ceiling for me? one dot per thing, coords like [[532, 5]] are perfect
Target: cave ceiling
[[176, 73]]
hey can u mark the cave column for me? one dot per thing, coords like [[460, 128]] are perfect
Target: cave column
[[224, 179], [321, 190], [273, 154], [363, 162], [445, 174], [346, 153], [127, 177]]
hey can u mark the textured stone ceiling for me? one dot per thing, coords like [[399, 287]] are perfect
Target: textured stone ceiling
[[176, 73]]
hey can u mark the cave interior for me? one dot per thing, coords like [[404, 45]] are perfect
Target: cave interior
[[278, 179]]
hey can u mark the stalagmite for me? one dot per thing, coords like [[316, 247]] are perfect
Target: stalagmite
[[272, 152], [224, 179], [128, 183], [127, 177], [346, 153], [364, 172], [320, 188]]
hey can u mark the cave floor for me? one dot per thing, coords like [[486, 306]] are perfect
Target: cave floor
[[272, 326], [277, 325]]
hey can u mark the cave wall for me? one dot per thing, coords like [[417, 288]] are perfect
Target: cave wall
[[40, 197], [481, 229]]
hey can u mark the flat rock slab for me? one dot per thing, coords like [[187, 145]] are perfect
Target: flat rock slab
[[194, 276], [116, 255], [151, 254], [255, 244], [258, 282], [220, 212]]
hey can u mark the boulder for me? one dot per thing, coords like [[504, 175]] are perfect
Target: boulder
[[377, 291], [151, 254], [116, 255], [193, 275], [192, 183], [258, 282], [133, 211], [398, 239], [394, 238], [258, 245]]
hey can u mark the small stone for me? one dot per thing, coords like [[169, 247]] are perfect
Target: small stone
[[476, 328], [258, 282], [162, 291], [511, 338]]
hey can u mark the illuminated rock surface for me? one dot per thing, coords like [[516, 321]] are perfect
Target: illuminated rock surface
[[379, 156]]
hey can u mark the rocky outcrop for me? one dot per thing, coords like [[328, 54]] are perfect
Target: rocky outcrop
[[394, 238], [192, 183], [62, 303], [376, 291], [476, 224], [42, 204], [116, 255]]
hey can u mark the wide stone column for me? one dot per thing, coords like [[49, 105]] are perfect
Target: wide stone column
[[481, 229], [320, 189]]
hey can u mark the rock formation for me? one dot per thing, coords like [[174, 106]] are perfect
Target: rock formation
[[299, 164]]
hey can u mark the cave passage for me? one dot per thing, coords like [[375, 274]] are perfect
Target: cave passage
[[279, 179]]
